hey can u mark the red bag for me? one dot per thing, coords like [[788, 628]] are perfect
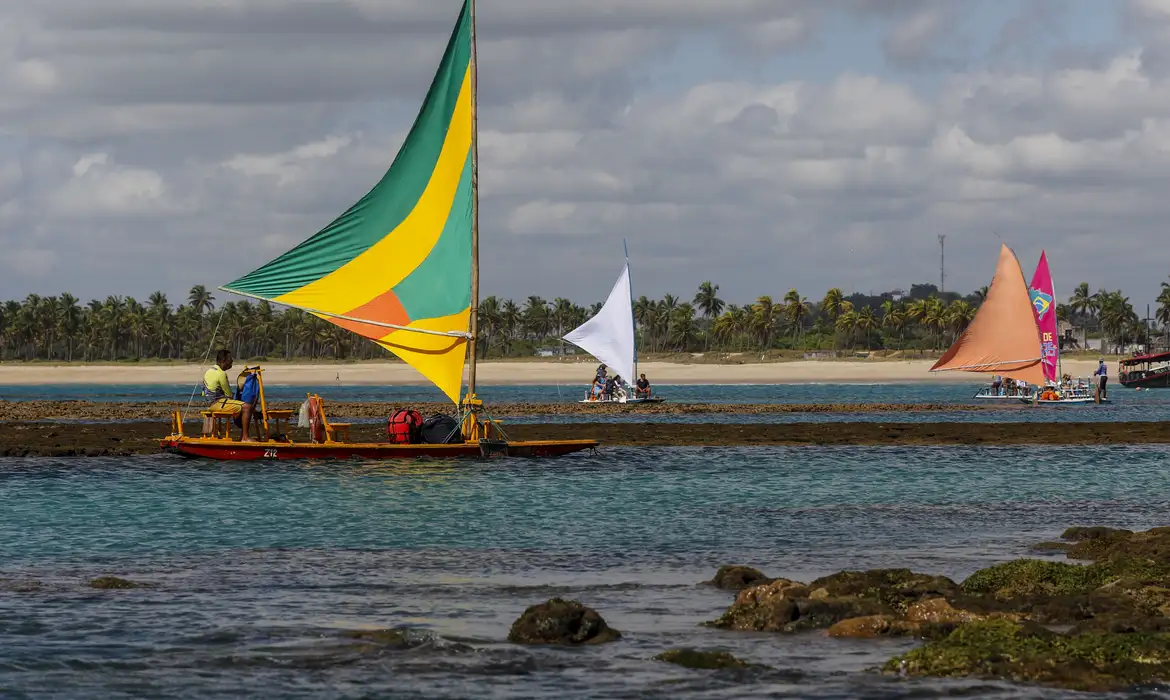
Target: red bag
[[403, 427]]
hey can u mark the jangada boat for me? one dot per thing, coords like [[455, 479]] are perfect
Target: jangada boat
[[1005, 337], [401, 268], [609, 336]]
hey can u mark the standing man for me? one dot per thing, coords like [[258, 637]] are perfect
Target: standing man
[[1102, 375]]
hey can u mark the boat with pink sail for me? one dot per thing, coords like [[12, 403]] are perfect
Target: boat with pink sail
[[1007, 339], [1058, 388]]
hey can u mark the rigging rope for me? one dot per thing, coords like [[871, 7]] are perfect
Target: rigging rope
[[206, 355]]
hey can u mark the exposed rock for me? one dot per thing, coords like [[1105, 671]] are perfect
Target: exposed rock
[[1034, 577], [786, 606], [113, 583], [737, 578], [894, 588], [560, 621], [939, 611], [766, 608], [867, 627], [701, 659], [1026, 652]]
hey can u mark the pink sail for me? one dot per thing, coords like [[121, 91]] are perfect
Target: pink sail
[[1044, 305]]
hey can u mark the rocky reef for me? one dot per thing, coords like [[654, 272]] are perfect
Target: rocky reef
[[1098, 625], [702, 659], [562, 622]]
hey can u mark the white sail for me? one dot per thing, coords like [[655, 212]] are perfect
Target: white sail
[[609, 336]]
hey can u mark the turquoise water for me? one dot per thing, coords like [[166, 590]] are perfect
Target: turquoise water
[[256, 569], [1125, 405], [565, 393]]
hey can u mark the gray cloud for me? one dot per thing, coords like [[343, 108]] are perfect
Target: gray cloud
[[154, 145]]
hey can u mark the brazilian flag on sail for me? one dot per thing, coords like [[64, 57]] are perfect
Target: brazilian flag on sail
[[401, 256]]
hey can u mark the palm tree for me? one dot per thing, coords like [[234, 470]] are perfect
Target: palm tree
[[763, 323], [491, 320], [200, 299], [795, 310], [1082, 302], [710, 305], [1162, 315], [683, 331], [846, 323], [831, 304]]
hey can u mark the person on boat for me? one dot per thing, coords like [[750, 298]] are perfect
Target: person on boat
[[217, 388], [642, 387], [996, 385], [1102, 375], [610, 387]]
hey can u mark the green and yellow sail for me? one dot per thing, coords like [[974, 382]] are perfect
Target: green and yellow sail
[[397, 265]]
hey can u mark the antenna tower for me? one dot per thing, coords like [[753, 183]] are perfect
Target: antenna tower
[[942, 264]]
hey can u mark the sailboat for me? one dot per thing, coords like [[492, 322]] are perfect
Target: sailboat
[[1042, 293], [1003, 338], [609, 336], [400, 268]]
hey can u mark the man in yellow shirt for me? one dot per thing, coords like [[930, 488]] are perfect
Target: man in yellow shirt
[[217, 387]]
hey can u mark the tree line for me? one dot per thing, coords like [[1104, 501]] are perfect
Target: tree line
[[60, 328]]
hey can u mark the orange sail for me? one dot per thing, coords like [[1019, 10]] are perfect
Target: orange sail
[[1003, 338]]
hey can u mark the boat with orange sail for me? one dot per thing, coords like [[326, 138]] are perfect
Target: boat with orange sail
[[1004, 339], [400, 268]]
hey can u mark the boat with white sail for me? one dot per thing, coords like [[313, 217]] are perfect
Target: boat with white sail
[[609, 336]]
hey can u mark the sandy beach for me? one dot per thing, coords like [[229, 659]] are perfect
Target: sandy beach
[[519, 373]]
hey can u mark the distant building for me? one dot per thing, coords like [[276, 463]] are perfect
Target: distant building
[[898, 295]]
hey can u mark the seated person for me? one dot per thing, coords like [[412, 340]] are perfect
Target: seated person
[[610, 385], [642, 387], [217, 388]]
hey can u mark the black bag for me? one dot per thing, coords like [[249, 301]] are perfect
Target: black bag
[[440, 429]]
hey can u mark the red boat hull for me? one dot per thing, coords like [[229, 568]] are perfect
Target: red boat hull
[[250, 451]]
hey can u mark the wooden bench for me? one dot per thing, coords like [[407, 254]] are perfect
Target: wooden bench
[[221, 423], [279, 423], [333, 430]]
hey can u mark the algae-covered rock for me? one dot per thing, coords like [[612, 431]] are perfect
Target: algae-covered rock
[[737, 578], [1034, 577], [895, 588], [930, 619], [785, 606], [701, 659], [560, 621], [1151, 546], [1026, 652], [939, 611], [872, 626], [113, 583], [766, 608]]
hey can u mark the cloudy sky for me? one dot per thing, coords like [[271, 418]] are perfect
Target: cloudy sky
[[760, 144]]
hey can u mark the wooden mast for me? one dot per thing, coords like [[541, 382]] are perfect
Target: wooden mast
[[474, 326]]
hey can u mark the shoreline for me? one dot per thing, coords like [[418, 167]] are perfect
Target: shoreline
[[519, 373]]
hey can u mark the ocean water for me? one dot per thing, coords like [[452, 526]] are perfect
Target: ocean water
[[257, 570], [1125, 405], [565, 393]]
